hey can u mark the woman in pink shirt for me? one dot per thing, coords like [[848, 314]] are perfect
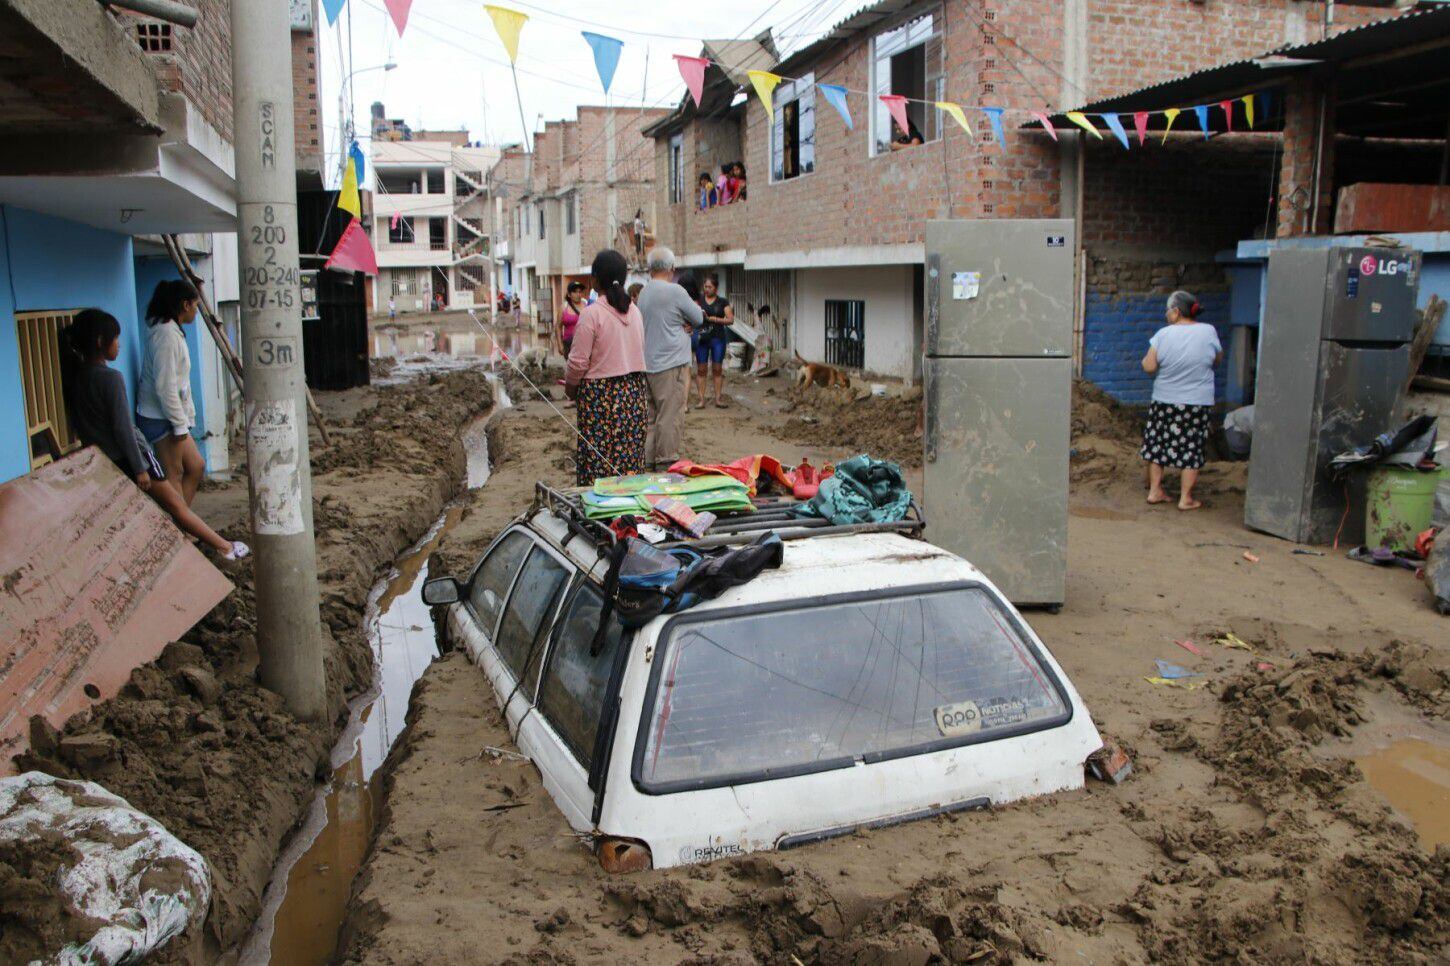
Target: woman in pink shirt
[[569, 317], [605, 377]]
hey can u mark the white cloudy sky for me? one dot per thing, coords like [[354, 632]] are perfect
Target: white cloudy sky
[[452, 69]]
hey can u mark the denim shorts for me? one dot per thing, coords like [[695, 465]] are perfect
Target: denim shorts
[[153, 429], [711, 348]]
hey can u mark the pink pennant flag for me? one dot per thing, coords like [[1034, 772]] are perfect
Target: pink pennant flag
[[692, 69], [1046, 124], [1228, 114], [1140, 124], [397, 217], [896, 104], [399, 10], [354, 253]]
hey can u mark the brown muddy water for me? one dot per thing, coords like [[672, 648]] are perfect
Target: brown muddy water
[[1414, 775], [304, 905]]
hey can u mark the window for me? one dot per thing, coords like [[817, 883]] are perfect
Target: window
[[437, 234], [154, 36], [907, 61], [846, 332], [540, 214], [525, 618], [740, 698], [490, 583], [793, 132], [571, 200], [677, 168], [43, 363], [434, 181], [400, 230], [572, 694]]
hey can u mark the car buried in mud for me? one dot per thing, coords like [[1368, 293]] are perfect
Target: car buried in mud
[[871, 679]]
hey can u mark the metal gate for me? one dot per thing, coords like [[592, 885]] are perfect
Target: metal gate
[[846, 333]]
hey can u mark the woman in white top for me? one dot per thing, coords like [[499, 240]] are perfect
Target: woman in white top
[[164, 408], [1181, 357]]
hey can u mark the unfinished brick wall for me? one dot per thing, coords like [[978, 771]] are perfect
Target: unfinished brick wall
[[306, 111], [1306, 195]]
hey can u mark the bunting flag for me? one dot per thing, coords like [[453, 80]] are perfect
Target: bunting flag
[[1080, 119], [994, 114], [1172, 115], [836, 97], [399, 10], [606, 56], [1266, 100], [896, 104], [1248, 100], [354, 253], [764, 83], [1046, 123], [1140, 124], [1228, 115], [334, 9], [955, 110], [692, 69], [356, 154], [1116, 126], [508, 23], [347, 198], [1201, 112], [394, 221]]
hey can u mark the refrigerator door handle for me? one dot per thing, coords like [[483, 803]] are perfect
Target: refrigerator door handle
[[933, 301], [929, 400]]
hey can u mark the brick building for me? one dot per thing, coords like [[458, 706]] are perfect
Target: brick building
[[842, 269], [576, 193]]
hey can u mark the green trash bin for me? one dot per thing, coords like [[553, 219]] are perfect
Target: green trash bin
[[1399, 506]]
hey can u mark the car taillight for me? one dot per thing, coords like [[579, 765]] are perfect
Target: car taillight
[[624, 855]]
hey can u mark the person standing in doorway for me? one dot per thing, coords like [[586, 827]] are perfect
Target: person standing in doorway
[[164, 407], [714, 336], [670, 315], [605, 377], [1181, 358], [569, 317]]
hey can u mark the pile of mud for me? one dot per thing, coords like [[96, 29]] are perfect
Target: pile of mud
[[192, 739], [852, 421]]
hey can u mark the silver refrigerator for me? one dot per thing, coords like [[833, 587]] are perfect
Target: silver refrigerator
[[998, 375], [1334, 358]]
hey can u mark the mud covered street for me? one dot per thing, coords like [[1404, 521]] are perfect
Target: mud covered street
[[193, 740], [1248, 832]]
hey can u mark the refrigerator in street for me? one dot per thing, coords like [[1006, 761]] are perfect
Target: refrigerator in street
[[998, 387], [1334, 358]]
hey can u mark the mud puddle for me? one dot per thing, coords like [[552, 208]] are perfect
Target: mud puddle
[[1414, 775], [305, 902]]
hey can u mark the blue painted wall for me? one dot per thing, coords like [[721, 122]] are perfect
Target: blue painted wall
[[151, 269], [1115, 339], [49, 263]]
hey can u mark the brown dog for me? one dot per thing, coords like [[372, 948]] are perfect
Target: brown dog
[[820, 374]]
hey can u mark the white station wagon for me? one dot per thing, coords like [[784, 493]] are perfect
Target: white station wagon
[[871, 679]]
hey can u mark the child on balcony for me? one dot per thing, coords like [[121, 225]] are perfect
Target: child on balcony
[[709, 194]]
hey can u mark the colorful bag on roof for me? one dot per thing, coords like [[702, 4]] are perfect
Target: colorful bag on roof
[[801, 481], [863, 490], [722, 496]]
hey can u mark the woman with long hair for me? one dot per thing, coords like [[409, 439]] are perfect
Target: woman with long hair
[[164, 408], [569, 317], [101, 414], [605, 377]]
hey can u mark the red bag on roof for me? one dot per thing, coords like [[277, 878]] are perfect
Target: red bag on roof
[[801, 482]]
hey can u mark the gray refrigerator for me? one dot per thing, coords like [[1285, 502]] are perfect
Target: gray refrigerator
[[998, 384], [1334, 358]]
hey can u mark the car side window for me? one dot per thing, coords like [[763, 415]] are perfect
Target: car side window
[[525, 616], [572, 695], [490, 584]]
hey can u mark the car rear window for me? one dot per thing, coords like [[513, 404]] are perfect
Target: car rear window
[[758, 695], [576, 680]]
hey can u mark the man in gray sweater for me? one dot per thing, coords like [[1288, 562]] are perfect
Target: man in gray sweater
[[669, 317]]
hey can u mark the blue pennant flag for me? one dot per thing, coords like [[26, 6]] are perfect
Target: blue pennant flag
[[836, 97], [356, 154], [1116, 126], [333, 8], [1266, 100], [994, 114], [606, 56], [1202, 112]]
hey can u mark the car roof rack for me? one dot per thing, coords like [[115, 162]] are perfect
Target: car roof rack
[[771, 513]]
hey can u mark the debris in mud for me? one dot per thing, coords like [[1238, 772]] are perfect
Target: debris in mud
[[883, 426], [1110, 763]]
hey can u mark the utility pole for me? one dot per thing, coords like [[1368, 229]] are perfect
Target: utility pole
[[289, 623]]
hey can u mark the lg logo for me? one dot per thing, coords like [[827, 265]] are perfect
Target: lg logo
[[1369, 265]]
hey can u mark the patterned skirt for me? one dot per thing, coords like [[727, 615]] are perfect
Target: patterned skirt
[[1175, 434], [613, 423]]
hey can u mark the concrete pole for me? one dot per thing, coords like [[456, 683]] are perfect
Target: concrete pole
[[289, 625]]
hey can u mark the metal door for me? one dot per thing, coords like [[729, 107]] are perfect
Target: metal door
[[999, 287], [996, 469]]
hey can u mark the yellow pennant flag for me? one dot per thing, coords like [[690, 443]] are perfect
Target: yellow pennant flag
[[764, 82], [1080, 119], [1172, 115], [347, 198], [955, 110], [508, 23], [1249, 109]]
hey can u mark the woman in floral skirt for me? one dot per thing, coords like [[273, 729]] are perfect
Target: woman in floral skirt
[[1181, 357], [605, 377]]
